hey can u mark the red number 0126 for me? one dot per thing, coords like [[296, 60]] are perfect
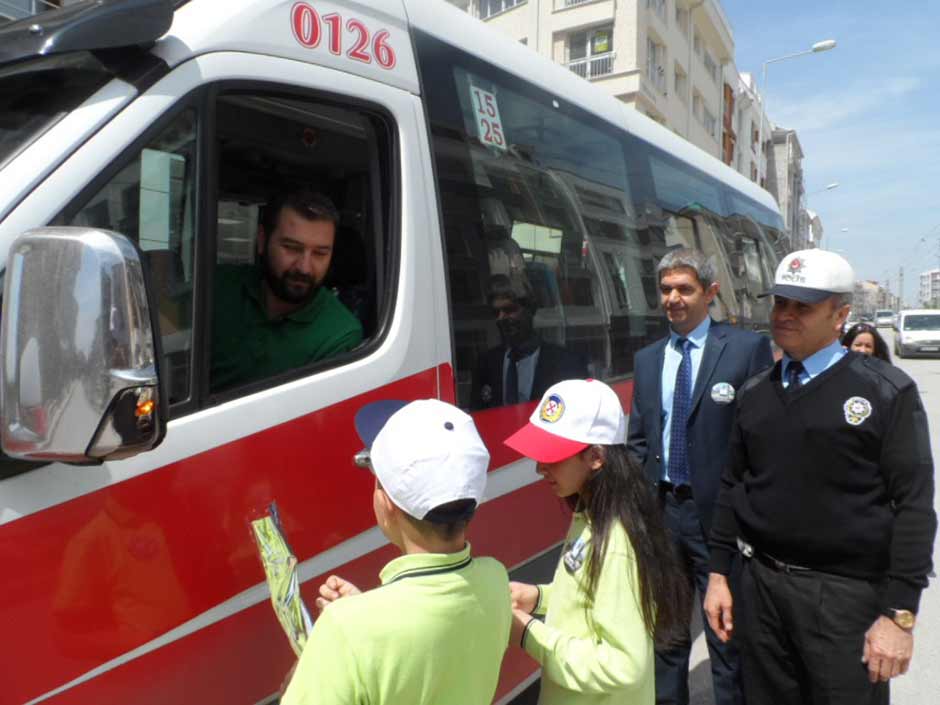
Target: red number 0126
[[308, 26]]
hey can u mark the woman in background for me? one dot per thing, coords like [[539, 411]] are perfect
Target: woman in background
[[865, 338]]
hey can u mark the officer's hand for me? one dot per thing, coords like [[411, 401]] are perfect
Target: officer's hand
[[520, 620], [888, 650], [333, 589], [718, 605], [524, 596]]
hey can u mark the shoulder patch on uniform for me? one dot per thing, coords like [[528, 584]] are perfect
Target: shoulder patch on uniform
[[857, 409]]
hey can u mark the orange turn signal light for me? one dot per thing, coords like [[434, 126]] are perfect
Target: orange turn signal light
[[145, 408]]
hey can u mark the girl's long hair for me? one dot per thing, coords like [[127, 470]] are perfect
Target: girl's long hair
[[620, 492]]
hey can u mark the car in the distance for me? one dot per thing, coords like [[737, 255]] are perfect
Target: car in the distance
[[918, 333], [884, 318]]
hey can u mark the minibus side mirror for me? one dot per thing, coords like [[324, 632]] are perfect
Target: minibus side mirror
[[79, 349]]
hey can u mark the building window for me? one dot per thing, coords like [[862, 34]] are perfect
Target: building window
[[657, 6], [488, 8], [590, 52], [682, 20], [696, 43], [697, 106], [711, 68], [655, 58], [709, 122], [681, 84]]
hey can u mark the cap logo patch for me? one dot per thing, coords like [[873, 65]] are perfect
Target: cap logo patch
[[794, 271], [857, 409], [553, 409]]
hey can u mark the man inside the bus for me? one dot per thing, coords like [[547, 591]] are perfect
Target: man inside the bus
[[523, 366], [275, 315]]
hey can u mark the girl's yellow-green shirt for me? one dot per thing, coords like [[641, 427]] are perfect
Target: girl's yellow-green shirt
[[595, 654]]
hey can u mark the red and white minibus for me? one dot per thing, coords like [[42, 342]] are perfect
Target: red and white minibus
[[138, 141]]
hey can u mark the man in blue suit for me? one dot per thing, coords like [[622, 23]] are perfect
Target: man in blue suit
[[683, 405]]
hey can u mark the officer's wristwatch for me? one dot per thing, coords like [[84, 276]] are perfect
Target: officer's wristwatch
[[903, 618]]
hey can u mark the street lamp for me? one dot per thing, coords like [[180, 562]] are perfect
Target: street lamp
[[845, 230], [834, 184], [818, 47]]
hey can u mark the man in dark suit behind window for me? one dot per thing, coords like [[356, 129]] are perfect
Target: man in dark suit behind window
[[683, 405], [523, 367]]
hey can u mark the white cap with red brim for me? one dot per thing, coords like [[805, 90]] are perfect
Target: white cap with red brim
[[572, 415]]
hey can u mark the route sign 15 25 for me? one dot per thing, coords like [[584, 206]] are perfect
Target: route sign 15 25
[[486, 111]]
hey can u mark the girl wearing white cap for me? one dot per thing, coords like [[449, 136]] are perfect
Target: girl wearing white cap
[[618, 587]]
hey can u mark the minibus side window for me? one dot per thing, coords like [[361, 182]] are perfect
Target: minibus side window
[[538, 223], [152, 201], [302, 245]]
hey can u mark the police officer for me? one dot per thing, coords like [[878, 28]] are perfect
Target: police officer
[[828, 494]]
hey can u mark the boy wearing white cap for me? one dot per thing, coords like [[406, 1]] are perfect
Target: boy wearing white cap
[[618, 587], [828, 495], [435, 632]]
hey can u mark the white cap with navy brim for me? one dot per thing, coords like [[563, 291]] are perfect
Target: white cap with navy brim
[[811, 276], [425, 454]]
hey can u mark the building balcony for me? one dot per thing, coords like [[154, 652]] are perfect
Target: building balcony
[[593, 66], [565, 4]]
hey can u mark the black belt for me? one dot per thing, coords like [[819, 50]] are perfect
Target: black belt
[[680, 492], [748, 551]]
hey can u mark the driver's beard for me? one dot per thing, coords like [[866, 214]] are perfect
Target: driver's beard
[[279, 285]]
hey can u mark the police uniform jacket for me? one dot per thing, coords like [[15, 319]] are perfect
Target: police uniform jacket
[[835, 475]]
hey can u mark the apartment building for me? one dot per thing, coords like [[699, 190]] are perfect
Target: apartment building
[[748, 111], [667, 58], [785, 181], [811, 228], [930, 288]]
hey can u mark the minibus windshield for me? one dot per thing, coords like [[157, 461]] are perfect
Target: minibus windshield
[[36, 94]]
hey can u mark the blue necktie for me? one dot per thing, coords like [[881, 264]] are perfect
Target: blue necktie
[[794, 370], [679, 427]]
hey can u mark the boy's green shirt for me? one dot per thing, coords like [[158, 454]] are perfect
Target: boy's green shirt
[[433, 633]]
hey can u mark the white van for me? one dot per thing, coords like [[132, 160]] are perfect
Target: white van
[[918, 333], [884, 318], [140, 145]]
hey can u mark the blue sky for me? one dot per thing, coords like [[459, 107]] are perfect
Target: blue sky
[[868, 116]]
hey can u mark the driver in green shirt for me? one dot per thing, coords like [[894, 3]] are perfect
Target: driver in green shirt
[[276, 315]]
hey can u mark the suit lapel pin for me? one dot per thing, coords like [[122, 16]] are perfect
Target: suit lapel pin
[[722, 393]]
